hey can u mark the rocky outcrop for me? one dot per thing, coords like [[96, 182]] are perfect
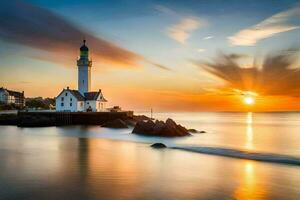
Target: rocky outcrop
[[160, 128], [137, 118], [117, 123], [130, 122], [195, 131], [158, 146]]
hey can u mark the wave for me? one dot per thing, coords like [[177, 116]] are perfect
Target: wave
[[243, 154]]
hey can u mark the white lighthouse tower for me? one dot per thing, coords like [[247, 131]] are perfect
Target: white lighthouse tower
[[83, 99], [84, 70]]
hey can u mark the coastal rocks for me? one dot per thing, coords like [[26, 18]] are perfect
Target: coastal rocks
[[195, 131], [130, 122], [117, 123], [158, 146], [144, 127], [137, 118], [160, 128], [125, 122]]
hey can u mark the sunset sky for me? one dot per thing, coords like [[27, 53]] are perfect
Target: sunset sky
[[191, 55]]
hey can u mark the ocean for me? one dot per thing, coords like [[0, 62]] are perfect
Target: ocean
[[90, 162]]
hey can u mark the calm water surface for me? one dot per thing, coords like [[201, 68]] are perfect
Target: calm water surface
[[99, 163]]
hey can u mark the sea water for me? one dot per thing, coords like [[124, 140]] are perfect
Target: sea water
[[90, 162]]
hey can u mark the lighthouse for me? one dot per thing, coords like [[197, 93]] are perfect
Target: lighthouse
[[83, 99], [84, 70]]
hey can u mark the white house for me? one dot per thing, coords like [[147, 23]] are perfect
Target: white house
[[12, 97], [81, 100]]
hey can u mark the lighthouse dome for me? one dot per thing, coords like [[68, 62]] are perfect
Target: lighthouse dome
[[84, 47]]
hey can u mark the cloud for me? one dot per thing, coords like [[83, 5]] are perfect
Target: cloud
[[201, 50], [277, 76], [237, 56], [160, 66], [269, 27], [39, 28], [182, 31], [164, 10], [208, 37], [55, 38]]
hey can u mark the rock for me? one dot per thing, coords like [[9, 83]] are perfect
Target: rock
[[160, 128], [158, 146], [140, 118], [170, 122], [130, 122], [195, 131], [143, 127], [117, 123]]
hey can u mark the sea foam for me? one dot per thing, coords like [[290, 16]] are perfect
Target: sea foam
[[242, 154]]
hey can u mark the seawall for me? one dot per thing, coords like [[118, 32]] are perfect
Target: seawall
[[40, 119]]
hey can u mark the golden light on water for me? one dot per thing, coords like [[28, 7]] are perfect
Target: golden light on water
[[249, 187], [249, 131]]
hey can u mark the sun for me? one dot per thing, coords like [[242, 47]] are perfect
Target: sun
[[249, 100]]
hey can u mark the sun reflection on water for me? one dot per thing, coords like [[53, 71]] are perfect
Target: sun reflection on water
[[249, 131], [249, 187]]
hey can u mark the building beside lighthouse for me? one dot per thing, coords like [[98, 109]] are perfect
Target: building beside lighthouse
[[83, 99]]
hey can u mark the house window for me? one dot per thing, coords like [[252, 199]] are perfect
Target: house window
[[66, 94], [88, 103], [62, 104], [71, 99], [70, 104], [62, 99]]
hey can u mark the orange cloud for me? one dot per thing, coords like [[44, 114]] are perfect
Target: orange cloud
[[56, 39], [277, 76]]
